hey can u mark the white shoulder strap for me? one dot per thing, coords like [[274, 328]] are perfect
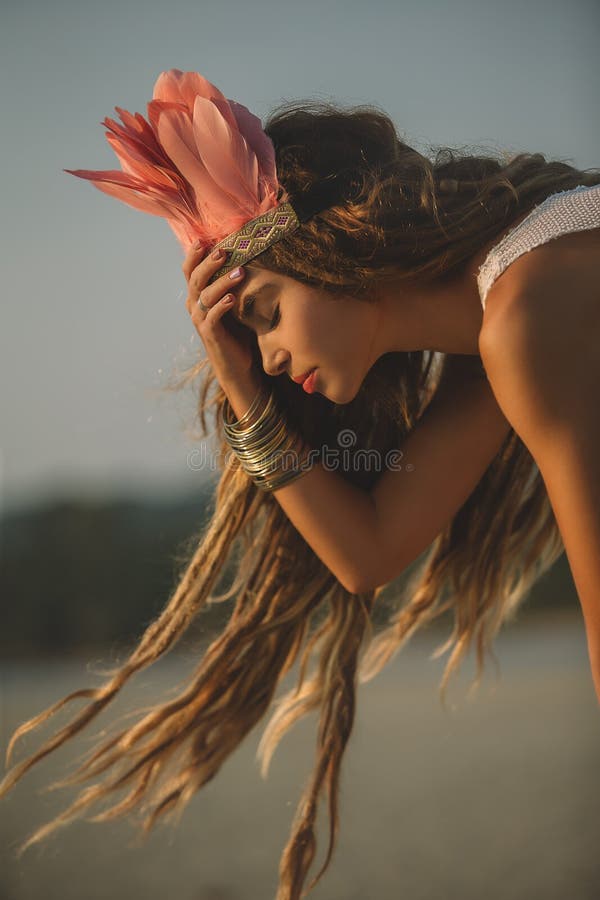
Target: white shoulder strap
[[577, 209]]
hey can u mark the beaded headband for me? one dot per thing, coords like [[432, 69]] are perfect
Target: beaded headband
[[258, 234], [205, 164]]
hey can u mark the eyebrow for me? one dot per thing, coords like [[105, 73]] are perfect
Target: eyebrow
[[247, 312]]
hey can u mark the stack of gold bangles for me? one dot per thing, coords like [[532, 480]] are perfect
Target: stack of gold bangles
[[262, 447]]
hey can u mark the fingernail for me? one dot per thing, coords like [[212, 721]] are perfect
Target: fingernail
[[217, 254], [236, 273], [196, 244], [228, 299]]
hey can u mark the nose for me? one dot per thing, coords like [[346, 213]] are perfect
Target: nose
[[275, 363]]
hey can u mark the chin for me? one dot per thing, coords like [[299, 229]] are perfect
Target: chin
[[340, 391], [340, 398]]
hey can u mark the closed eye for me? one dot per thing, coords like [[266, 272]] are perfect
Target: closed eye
[[275, 318]]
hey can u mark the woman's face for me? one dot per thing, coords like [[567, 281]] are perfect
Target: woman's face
[[299, 327]]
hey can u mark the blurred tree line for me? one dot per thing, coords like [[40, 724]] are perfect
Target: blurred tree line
[[80, 575]]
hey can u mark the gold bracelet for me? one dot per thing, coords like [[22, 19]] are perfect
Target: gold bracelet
[[240, 423], [256, 445]]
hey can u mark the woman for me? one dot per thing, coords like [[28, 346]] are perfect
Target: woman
[[366, 264]]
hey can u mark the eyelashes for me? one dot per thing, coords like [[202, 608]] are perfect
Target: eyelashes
[[275, 318], [248, 312]]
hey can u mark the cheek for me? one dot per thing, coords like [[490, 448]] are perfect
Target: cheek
[[306, 332]]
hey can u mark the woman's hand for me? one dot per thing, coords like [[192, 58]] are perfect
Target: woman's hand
[[228, 344]]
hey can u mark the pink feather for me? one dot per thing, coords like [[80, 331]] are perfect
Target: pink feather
[[225, 154], [200, 161]]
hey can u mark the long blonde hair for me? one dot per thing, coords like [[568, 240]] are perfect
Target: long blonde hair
[[402, 214]]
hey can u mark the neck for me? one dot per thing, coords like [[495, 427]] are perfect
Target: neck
[[445, 316]]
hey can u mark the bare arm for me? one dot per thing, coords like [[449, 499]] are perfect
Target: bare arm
[[368, 538], [451, 447], [545, 372]]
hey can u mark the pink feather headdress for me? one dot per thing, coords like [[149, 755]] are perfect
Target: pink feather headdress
[[201, 161], [204, 163]]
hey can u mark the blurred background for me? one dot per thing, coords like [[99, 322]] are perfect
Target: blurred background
[[99, 492]]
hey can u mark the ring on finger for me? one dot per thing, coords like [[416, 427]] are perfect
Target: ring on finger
[[202, 306]]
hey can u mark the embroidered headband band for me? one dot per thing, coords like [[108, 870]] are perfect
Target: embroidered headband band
[[258, 234], [205, 164]]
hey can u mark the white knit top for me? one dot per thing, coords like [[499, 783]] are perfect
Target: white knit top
[[577, 209]]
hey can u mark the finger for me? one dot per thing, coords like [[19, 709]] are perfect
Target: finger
[[197, 255], [201, 268], [193, 256], [197, 289], [208, 321]]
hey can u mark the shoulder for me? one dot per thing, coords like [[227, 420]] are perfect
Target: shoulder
[[550, 295], [540, 336], [555, 279]]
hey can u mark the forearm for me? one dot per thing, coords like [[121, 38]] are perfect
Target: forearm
[[448, 452], [569, 463], [368, 538], [336, 518]]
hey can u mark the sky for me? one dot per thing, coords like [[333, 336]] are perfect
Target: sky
[[93, 298]]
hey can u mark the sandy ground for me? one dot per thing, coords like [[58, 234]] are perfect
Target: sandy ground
[[498, 798]]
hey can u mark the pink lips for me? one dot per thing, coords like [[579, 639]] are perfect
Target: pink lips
[[300, 378], [308, 384]]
